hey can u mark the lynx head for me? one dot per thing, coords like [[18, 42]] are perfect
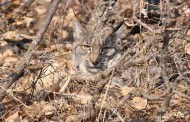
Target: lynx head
[[95, 49]]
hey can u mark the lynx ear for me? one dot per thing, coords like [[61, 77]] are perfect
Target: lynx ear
[[78, 30], [117, 26]]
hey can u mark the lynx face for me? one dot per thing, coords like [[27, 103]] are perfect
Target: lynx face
[[94, 51]]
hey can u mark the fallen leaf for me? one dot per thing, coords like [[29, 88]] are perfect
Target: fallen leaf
[[7, 65], [126, 90], [186, 11], [3, 43], [28, 21], [174, 114], [41, 10], [70, 15], [16, 2], [9, 35], [39, 109], [7, 53], [188, 32], [10, 60], [42, 2], [65, 34], [83, 98], [139, 103], [48, 109], [14, 118], [187, 48]]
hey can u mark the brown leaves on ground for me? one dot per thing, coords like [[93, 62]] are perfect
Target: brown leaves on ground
[[37, 96], [36, 111]]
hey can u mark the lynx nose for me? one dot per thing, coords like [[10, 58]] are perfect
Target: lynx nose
[[94, 59]]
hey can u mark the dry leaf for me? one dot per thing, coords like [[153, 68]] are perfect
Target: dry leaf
[[14, 118], [82, 98], [10, 60], [26, 36], [19, 23], [65, 34], [7, 53], [187, 11], [70, 15], [39, 109], [6, 66], [41, 10], [48, 109], [175, 114], [43, 2], [3, 43], [9, 15], [9, 35], [49, 76], [28, 21], [188, 32], [16, 2], [126, 90], [187, 48], [139, 103]]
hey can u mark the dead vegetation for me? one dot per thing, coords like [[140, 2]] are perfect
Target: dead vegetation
[[151, 82]]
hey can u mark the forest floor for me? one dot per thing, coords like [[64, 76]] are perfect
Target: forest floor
[[151, 84]]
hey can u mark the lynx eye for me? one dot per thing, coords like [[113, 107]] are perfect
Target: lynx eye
[[108, 50], [86, 47], [105, 49]]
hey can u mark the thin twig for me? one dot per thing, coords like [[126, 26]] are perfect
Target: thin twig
[[181, 94], [109, 83], [11, 94], [63, 88]]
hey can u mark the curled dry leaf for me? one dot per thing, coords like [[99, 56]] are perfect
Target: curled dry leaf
[[139, 103]]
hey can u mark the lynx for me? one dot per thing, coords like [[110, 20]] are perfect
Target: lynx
[[96, 47]]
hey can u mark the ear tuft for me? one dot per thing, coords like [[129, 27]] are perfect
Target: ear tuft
[[78, 30]]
